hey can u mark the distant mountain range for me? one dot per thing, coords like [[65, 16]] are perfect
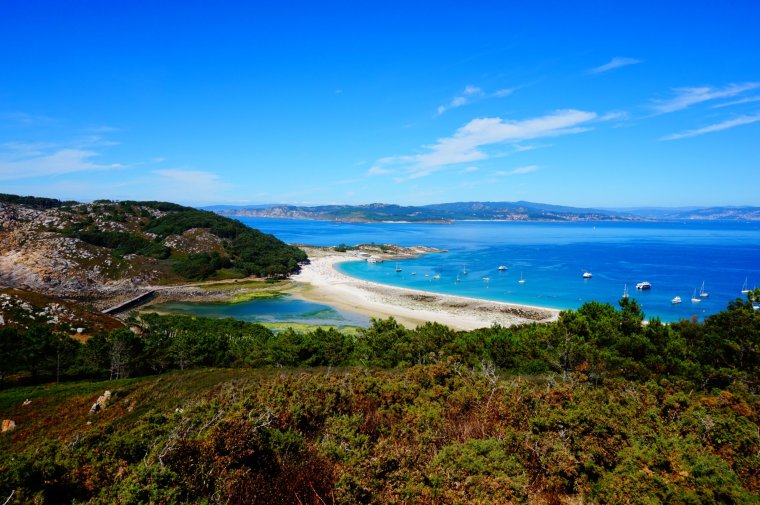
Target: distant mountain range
[[485, 211], [727, 213]]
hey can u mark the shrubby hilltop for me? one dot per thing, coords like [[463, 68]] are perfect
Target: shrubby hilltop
[[88, 249]]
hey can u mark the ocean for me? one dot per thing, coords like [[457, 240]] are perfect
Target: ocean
[[675, 257]]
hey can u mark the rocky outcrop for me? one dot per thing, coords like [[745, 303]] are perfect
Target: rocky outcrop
[[36, 253], [195, 240], [8, 425], [100, 403]]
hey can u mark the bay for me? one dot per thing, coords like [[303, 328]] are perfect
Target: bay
[[676, 257]]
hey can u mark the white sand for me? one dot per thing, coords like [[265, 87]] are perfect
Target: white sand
[[321, 282]]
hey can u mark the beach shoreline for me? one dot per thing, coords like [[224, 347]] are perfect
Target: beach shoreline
[[321, 282]]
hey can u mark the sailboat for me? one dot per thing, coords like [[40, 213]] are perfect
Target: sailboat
[[702, 292], [744, 287], [694, 298], [398, 268], [676, 300], [464, 271], [625, 291], [521, 281]]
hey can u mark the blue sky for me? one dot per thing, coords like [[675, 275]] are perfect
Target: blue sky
[[609, 104]]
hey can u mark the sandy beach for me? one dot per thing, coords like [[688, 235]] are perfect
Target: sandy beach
[[321, 282]]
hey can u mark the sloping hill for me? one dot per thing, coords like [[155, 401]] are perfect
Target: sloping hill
[[96, 248]]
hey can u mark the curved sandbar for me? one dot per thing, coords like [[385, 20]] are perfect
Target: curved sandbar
[[321, 282]]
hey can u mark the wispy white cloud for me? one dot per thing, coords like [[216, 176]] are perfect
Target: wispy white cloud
[[616, 62], [25, 119], [749, 99], [94, 141], [725, 125], [175, 185], [467, 170], [103, 129], [472, 94], [503, 92], [686, 97], [27, 160], [468, 94], [188, 177], [179, 184], [351, 180], [471, 142], [519, 170], [618, 115], [24, 160], [521, 148], [378, 169]]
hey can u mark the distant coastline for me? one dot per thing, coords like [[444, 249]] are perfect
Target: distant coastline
[[448, 213]]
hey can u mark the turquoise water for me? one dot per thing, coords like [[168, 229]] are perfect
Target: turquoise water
[[675, 257], [271, 310]]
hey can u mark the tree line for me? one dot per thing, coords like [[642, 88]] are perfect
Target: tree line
[[592, 343]]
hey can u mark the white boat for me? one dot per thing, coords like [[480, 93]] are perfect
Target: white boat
[[464, 271], [587, 275], [702, 292], [644, 285], [414, 273], [503, 267], [486, 279], [398, 268], [744, 287], [457, 278], [694, 298], [625, 291], [521, 281], [675, 300], [437, 276]]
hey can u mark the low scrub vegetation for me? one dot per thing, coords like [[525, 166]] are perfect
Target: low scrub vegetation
[[596, 407]]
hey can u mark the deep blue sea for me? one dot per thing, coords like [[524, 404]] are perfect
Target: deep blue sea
[[551, 257]]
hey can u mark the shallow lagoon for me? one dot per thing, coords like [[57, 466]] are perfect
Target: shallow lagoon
[[271, 310]]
